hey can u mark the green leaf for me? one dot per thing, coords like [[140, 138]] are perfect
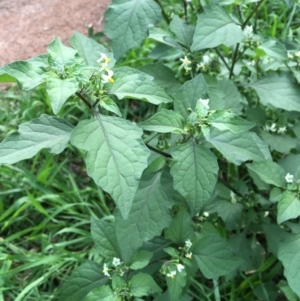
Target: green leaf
[[176, 284], [162, 76], [108, 104], [269, 172], [59, 90], [181, 228], [215, 27], [223, 95], [60, 55], [149, 215], [138, 85], [274, 48], [280, 91], [224, 120], [194, 170], [44, 132], [188, 95], [127, 23], [143, 284], [140, 259], [83, 280], [116, 156], [274, 235], [289, 255], [103, 293], [183, 31], [27, 75], [287, 291], [215, 256], [239, 148], [104, 237], [288, 207], [164, 121], [90, 50], [279, 143]]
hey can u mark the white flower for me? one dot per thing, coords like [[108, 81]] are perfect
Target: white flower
[[289, 178], [281, 130], [204, 102], [206, 59], [266, 214], [116, 262], [171, 274], [188, 243], [180, 267], [206, 214], [297, 54], [185, 61], [189, 255], [251, 63], [201, 66], [248, 32], [290, 55], [232, 197], [271, 128], [187, 69], [105, 270], [107, 78], [103, 58]]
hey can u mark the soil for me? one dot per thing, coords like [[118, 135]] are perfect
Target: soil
[[28, 26]]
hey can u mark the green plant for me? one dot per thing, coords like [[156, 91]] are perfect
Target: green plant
[[207, 197]]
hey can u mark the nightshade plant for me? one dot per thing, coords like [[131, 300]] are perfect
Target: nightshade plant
[[207, 189]]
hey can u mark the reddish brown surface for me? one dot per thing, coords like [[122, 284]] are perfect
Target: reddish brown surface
[[28, 26]]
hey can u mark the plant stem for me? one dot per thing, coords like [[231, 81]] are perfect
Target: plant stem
[[165, 16], [159, 151], [289, 21], [216, 290], [236, 51], [222, 58]]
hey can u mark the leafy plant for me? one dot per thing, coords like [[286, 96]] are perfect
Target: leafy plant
[[207, 188]]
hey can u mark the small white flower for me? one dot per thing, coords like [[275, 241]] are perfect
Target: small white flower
[[189, 255], [188, 243], [185, 61], [116, 262], [105, 270], [103, 58], [232, 197], [248, 32], [290, 55], [289, 178], [187, 69], [206, 214], [266, 214], [251, 63], [281, 130], [171, 274], [204, 102], [271, 128], [107, 78], [180, 267], [201, 66], [206, 59], [297, 54]]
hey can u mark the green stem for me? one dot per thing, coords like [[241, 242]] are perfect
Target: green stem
[[164, 14], [289, 21], [222, 58], [236, 51], [159, 151], [216, 290]]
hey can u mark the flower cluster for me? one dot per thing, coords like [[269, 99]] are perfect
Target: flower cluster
[[187, 247], [186, 63], [103, 64], [273, 129], [293, 55], [248, 32], [117, 264], [289, 178], [172, 273], [233, 197], [206, 59]]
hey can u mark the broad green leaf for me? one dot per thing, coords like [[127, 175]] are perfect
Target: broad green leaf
[[103, 293], [269, 172], [149, 215], [274, 235], [215, 27], [176, 284], [138, 86], [280, 91], [215, 256], [109, 105], [223, 95], [188, 95], [194, 170], [275, 49], [44, 132], [90, 50], [39, 61], [140, 259], [280, 143], [288, 207], [181, 228], [290, 163], [287, 291], [143, 284], [104, 237], [289, 255], [59, 90], [164, 121], [83, 280], [127, 23], [116, 156], [27, 75], [183, 31], [224, 120], [60, 55], [239, 148], [162, 76]]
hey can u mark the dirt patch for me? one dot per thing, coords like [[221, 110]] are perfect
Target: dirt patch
[[28, 26]]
